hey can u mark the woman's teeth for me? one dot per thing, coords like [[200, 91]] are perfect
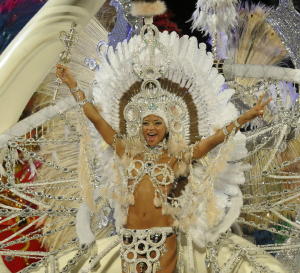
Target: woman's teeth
[[151, 136]]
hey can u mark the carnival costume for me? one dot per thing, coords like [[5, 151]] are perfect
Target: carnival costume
[[174, 78], [146, 76]]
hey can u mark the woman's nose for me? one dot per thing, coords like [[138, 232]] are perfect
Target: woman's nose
[[151, 126]]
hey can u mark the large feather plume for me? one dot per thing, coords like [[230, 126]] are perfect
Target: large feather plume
[[214, 16], [254, 41]]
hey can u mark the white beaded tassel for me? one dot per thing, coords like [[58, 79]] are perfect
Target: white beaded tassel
[[156, 200]]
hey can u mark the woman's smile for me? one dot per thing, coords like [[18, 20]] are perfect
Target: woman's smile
[[151, 137], [154, 129]]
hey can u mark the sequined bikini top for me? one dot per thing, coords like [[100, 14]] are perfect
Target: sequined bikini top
[[161, 176]]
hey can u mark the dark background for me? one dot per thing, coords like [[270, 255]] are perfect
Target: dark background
[[14, 14]]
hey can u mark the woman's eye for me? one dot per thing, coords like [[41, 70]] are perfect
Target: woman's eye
[[158, 123], [145, 123]]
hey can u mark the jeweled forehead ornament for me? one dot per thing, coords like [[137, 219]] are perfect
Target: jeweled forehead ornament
[[153, 100]]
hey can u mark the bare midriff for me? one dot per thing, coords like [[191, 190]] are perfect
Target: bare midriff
[[144, 215]]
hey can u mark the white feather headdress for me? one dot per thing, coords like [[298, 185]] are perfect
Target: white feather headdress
[[189, 75]]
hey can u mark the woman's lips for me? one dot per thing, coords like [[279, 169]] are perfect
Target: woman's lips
[[151, 138]]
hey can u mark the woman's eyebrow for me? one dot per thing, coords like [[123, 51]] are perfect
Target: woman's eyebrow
[[153, 120]]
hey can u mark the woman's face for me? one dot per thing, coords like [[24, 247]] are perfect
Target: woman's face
[[154, 129]]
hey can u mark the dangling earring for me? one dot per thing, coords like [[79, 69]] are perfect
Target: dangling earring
[[165, 141], [164, 144]]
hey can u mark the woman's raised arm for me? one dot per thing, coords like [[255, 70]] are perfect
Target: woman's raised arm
[[91, 112], [204, 146]]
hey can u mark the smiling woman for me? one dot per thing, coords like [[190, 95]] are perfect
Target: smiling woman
[[147, 215], [154, 129], [166, 165]]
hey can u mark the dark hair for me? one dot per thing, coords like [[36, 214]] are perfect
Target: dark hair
[[167, 135], [178, 186]]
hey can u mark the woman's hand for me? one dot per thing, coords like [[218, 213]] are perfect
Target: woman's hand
[[257, 110], [207, 144], [65, 75]]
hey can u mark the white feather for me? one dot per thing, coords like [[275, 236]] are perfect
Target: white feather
[[83, 229], [214, 16]]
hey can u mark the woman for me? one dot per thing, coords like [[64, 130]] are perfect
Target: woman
[[153, 174]]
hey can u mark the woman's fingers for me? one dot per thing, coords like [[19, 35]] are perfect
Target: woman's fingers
[[260, 102], [61, 71], [59, 74], [65, 75], [261, 107], [60, 68], [266, 102], [260, 99]]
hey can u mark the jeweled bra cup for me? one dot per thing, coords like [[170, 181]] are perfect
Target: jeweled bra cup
[[161, 175], [138, 168]]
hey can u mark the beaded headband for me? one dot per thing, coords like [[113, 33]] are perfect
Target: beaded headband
[[152, 99]]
